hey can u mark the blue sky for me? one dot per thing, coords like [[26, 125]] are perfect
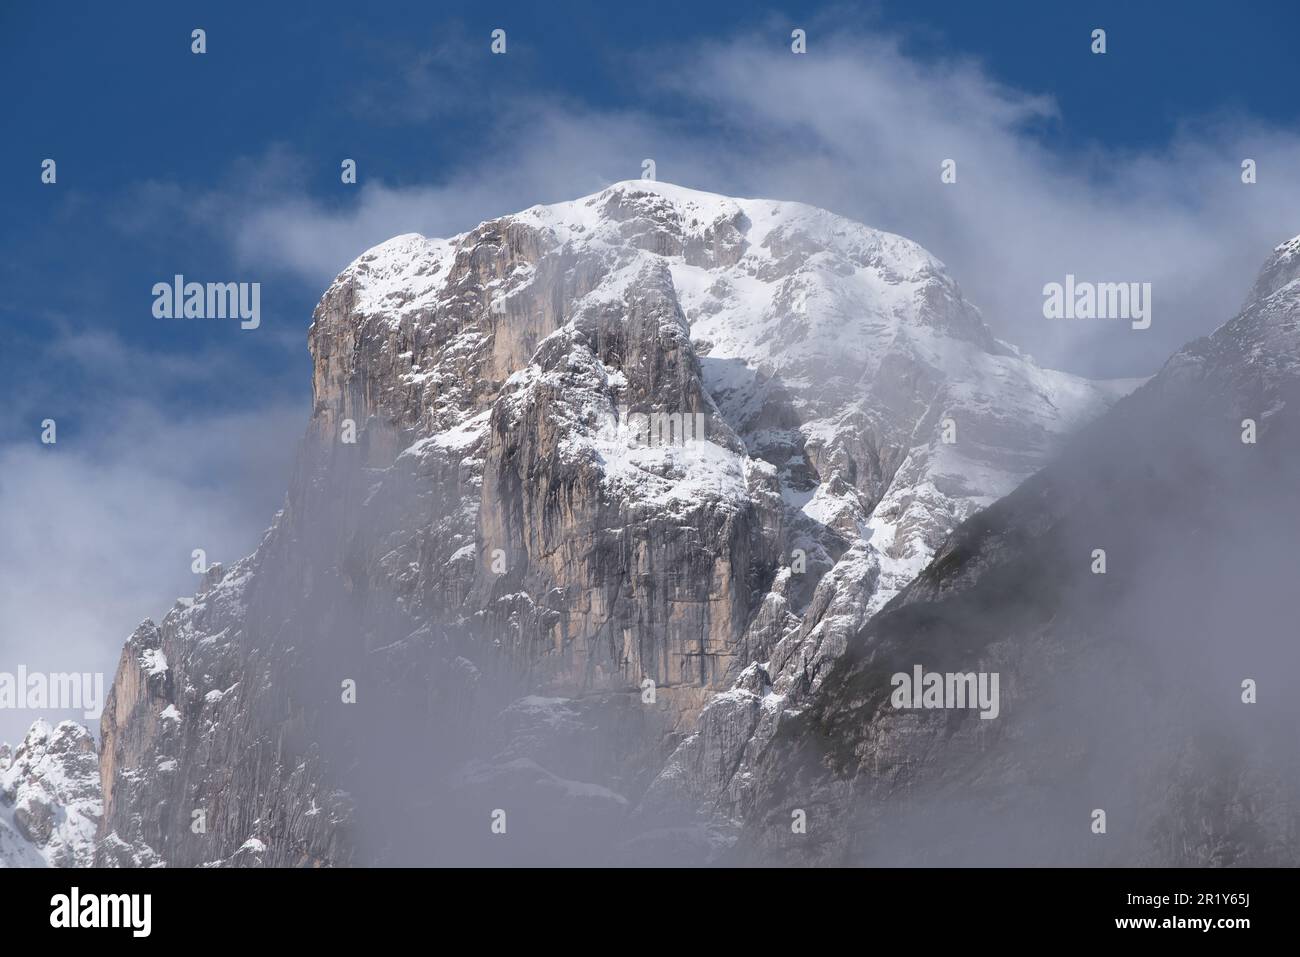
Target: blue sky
[[225, 167]]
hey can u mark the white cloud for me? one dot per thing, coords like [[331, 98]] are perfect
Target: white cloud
[[98, 528]]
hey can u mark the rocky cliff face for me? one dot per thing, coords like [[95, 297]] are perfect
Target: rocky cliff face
[[49, 798], [1133, 597], [583, 487]]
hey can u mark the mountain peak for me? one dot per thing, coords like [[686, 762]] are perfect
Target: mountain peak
[[1280, 270], [49, 797], [765, 224]]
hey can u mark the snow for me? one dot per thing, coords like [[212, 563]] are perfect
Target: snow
[[153, 661], [464, 552], [458, 439], [401, 274], [671, 475]]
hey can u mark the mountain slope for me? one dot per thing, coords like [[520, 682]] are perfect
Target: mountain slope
[[1129, 691]]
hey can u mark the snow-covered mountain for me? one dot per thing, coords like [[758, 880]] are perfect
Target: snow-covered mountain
[[510, 578], [49, 798], [833, 350]]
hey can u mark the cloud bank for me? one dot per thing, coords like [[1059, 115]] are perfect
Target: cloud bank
[[860, 128], [99, 527]]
